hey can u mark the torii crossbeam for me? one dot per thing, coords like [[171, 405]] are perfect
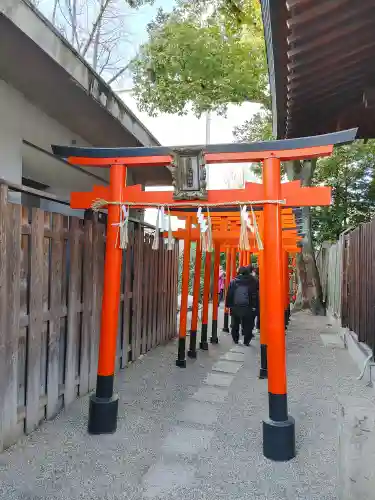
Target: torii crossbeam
[[278, 430]]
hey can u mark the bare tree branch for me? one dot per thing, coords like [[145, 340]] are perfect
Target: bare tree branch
[[118, 74], [55, 5], [98, 29], [102, 10]]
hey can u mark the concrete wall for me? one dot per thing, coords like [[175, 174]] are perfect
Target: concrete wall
[[21, 120]]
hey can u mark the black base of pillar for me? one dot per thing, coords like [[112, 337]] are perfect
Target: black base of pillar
[[226, 323], [181, 361], [103, 415], [263, 372], [203, 343], [214, 339], [192, 352], [279, 443], [286, 318]]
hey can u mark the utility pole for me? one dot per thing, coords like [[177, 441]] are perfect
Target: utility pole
[[208, 141]]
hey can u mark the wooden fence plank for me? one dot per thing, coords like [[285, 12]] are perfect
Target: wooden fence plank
[[170, 286], [135, 277], [120, 320], [3, 310], [164, 288], [138, 287], [127, 303], [173, 255], [87, 320], [155, 288], [97, 286], [166, 308], [73, 323], [171, 295], [145, 293], [175, 288], [13, 255], [55, 322], [167, 292], [36, 321], [159, 311], [150, 291]]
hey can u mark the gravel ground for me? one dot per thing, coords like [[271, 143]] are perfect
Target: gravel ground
[[196, 433]]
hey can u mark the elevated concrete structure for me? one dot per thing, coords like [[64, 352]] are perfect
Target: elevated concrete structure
[[49, 94]]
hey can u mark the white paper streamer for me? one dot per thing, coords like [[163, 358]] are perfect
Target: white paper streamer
[[170, 245], [155, 243], [210, 245]]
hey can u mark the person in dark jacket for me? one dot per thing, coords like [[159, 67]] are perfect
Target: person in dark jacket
[[242, 299]]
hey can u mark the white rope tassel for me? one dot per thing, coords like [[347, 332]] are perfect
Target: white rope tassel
[[244, 238], [124, 235], [210, 245], [122, 238], [155, 243], [257, 235], [170, 245], [202, 230]]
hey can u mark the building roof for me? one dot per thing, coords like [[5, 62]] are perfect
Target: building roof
[[320, 59], [37, 61]]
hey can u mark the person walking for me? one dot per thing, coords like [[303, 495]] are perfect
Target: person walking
[[242, 299], [221, 284]]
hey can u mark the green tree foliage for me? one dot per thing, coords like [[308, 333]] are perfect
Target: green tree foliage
[[202, 56], [258, 128], [350, 171]]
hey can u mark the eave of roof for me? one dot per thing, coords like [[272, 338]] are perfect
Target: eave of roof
[[319, 55]]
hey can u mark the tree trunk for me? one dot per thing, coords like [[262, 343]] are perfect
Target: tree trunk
[[309, 294]]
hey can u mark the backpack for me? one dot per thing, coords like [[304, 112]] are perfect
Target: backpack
[[241, 295]]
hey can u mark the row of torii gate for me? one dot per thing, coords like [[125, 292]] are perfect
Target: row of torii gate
[[272, 196]]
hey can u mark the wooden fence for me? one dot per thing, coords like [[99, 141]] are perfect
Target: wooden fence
[[51, 278], [347, 270]]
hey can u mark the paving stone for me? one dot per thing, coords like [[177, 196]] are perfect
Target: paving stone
[[226, 367], [241, 349], [211, 394], [187, 441], [332, 340], [199, 413], [234, 356], [219, 379], [161, 479]]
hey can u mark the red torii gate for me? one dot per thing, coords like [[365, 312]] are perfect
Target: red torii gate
[[279, 429], [226, 235]]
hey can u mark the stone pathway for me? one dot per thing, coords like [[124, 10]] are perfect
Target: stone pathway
[[195, 434]]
